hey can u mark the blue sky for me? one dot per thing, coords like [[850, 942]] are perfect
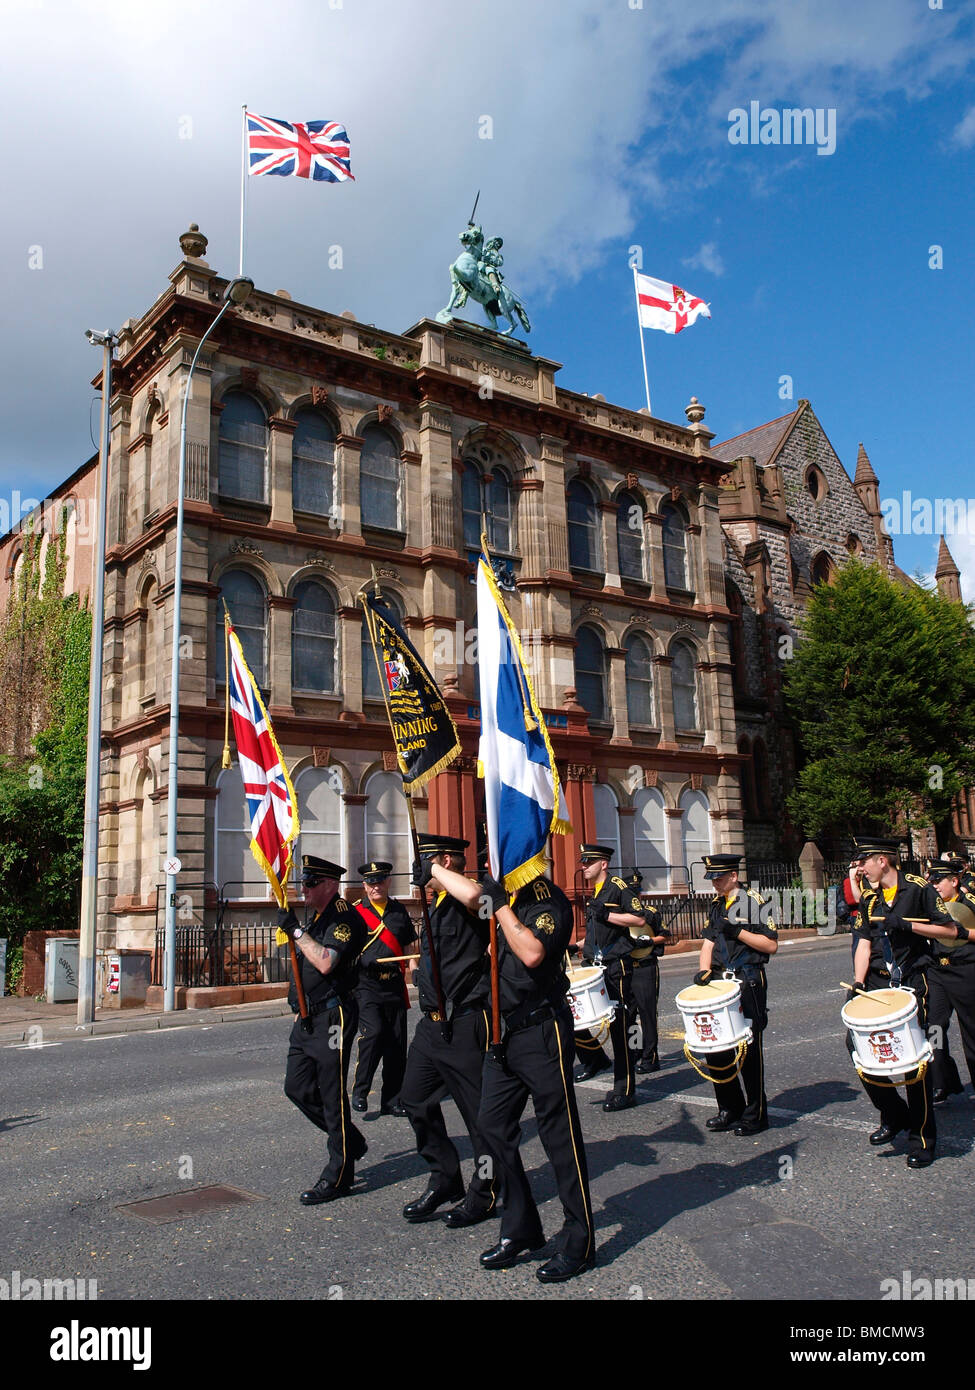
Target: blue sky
[[609, 128]]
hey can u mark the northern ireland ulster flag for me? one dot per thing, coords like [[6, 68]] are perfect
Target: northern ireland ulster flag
[[667, 306]]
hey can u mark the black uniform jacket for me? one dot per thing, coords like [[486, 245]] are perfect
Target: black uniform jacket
[[384, 982], [604, 938], [344, 932], [884, 924], [547, 912], [754, 914], [461, 940]]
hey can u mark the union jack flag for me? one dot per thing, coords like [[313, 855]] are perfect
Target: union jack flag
[[309, 150], [267, 786]]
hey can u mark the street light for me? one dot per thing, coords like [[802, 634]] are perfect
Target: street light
[[235, 294], [89, 870]]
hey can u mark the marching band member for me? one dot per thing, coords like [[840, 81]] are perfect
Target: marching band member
[[437, 1063], [534, 931], [611, 912], [739, 937], [648, 947], [381, 992], [891, 950], [951, 984]]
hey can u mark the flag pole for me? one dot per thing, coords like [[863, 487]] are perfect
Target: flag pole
[[495, 966], [445, 1026], [643, 346], [243, 179]]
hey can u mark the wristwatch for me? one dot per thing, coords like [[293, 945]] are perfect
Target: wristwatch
[[298, 933]]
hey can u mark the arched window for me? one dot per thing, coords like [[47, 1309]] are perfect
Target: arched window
[[639, 680], [816, 483], [234, 865], [674, 538], [242, 448], [607, 821], [147, 643], [371, 689], [318, 792], [590, 667], [313, 638], [821, 570], [313, 463], [499, 511], [650, 839], [629, 536], [245, 598], [684, 680], [473, 504], [696, 836], [763, 791], [486, 500], [736, 645], [380, 469], [583, 521], [387, 822]]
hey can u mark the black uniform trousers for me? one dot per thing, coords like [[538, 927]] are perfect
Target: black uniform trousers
[[743, 1095], [646, 992], [914, 1111], [432, 1066], [539, 1062], [951, 988], [315, 1081], [382, 1038], [619, 986]]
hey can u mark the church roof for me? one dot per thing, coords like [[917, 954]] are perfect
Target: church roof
[[761, 443]]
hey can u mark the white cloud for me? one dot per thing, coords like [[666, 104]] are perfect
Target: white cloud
[[708, 258], [964, 132]]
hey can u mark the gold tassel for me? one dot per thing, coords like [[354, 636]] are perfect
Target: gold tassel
[[226, 760]]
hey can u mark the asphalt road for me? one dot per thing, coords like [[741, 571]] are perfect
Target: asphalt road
[[805, 1211]]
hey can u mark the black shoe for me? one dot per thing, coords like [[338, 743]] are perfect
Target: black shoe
[[590, 1070], [506, 1251], [922, 1159], [323, 1192], [884, 1135], [561, 1267], [396, 1110], [721, 1121], [425, 1207], [751, 1128], [645, 1068], [463, 1216], [360, 1106], [942, 1093], [615, 1102]]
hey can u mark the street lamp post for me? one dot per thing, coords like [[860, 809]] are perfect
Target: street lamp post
[[89, 871], [235, 294]]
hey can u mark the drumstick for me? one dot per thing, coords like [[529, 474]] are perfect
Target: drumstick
[[866, 994], [388, 960]]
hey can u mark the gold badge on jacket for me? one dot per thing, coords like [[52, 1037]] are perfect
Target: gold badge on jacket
[[342, 932], [545, 922]]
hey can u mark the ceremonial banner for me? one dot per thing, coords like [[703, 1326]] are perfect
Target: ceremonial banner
[[267, 786], [426, 737], [523, 799]]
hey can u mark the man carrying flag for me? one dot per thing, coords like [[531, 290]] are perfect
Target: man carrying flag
[[321, 988], [524, 806]]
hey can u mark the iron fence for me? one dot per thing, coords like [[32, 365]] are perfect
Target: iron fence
[[224, 954]]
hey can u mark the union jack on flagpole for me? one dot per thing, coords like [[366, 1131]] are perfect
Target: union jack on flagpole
[[270, 796], [299, 149]]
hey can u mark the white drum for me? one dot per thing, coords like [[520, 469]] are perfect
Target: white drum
[[713, 1018], [589, 998], [887, 1037]]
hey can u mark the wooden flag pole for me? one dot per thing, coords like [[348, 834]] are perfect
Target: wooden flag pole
[[425, 906], [495, 967]]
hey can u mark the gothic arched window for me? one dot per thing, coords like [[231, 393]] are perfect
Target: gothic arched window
[[313, 463], [380, 474], [590, 668], [629, 536], [313, 638], [674, 537], [583, 522], [684, 680], [245, 598], [242, 448], [639, 680]]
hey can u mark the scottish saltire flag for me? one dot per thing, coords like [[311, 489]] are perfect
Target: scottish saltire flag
[[295, 149], [267, 786], [522, 796]]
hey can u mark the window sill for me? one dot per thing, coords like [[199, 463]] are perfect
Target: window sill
[[384, 535], [588, 576], [247, 504], [684, 596]]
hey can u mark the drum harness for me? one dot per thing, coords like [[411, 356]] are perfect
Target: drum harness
[[896, 976], [740, 976]]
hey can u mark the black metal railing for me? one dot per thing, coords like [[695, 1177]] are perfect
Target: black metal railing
[[228, 954]]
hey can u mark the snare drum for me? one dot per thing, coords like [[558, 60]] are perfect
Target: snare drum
[[589, 998], [887, 1037], [713, 1017]]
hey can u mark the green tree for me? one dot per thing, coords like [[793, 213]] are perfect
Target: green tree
[[45, 653], [882, 687]]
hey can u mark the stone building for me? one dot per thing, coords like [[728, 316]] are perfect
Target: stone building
[[318, 448]]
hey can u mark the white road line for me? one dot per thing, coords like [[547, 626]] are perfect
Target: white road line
[[780, 1112], [31, 1047]]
